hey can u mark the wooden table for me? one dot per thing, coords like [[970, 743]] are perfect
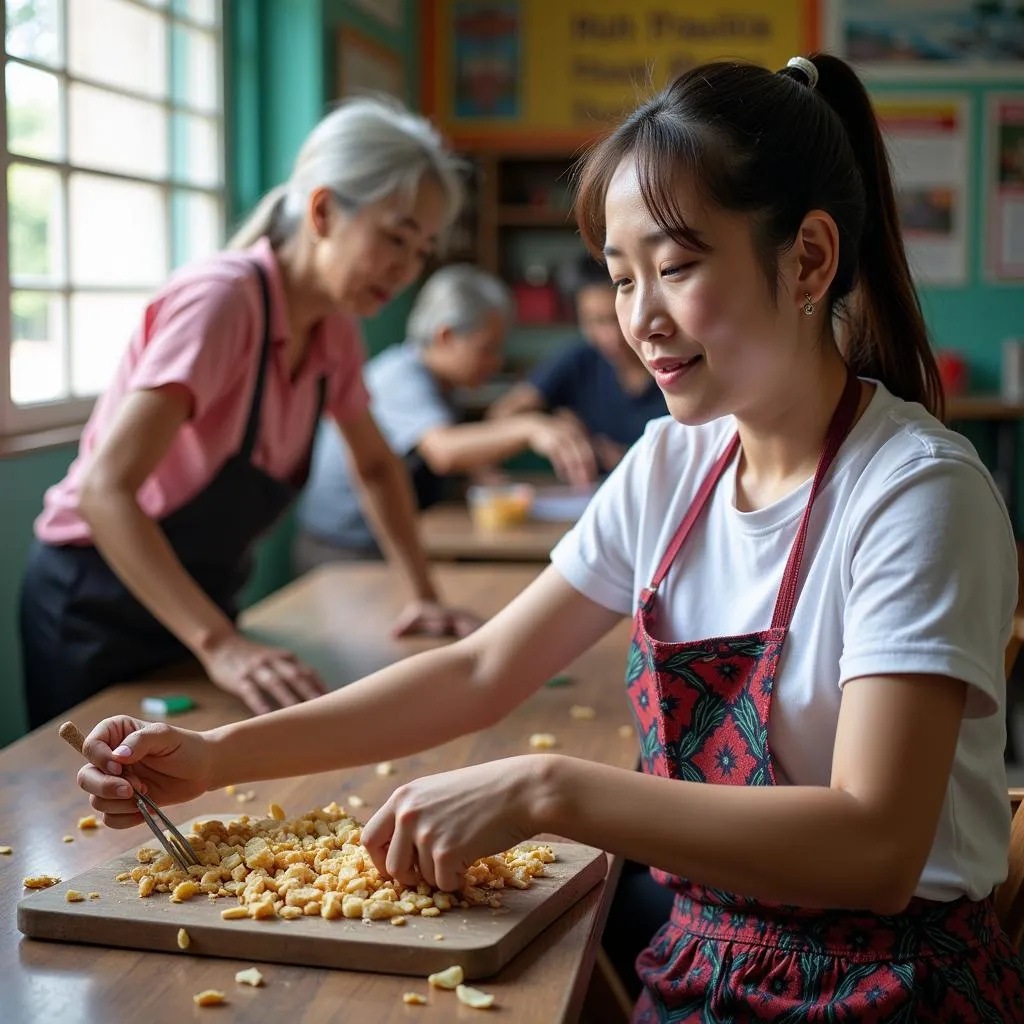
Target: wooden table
[[449, 535], [338, 618]]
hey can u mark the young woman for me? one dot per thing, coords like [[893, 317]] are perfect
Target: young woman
[[203, 438], [821, 579]]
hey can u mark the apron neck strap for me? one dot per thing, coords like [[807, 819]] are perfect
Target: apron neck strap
[[252, 426], [838, 428]]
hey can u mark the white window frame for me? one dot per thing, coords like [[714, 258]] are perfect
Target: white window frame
[[74, 411]]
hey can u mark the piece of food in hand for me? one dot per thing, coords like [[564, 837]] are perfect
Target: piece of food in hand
[[88, 821], [542, 741], [183, 939], [250, 976], [40, 881], [450, 978], [414, 999], [74, 896], [474, 997], [582, 713], [209, 997]]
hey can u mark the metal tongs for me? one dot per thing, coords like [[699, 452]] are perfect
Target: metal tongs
[[176, 845]]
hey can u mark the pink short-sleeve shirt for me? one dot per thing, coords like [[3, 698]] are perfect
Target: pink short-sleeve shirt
[[203, 331]]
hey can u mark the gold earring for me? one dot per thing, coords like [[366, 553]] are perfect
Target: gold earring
[[808, 304]]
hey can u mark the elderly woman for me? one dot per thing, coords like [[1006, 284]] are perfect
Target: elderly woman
[[202, 441], [455, 336]]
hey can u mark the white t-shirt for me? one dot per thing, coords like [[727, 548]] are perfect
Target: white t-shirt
[[910, 567]]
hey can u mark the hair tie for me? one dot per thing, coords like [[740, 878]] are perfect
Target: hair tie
[[801, 69]]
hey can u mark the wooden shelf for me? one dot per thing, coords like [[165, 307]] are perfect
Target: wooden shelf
[[982, 407], [525, 216]]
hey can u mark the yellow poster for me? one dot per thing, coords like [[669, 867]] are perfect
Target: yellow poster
[[538, 72]]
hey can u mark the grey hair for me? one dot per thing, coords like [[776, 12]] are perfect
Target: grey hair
[[364, 150], [458, 297]]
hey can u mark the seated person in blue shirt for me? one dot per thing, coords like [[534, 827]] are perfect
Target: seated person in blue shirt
[[599, 380], [455, 336]]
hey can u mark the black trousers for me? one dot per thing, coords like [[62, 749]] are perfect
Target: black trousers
[[639, 908], [82, 630]]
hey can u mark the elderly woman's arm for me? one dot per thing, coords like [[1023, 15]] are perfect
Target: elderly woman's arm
[[467, 446]]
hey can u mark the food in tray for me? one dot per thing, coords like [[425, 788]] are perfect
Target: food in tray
[[313, 866], [497, 507]]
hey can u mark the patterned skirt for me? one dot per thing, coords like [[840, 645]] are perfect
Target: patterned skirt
[[715, 963]]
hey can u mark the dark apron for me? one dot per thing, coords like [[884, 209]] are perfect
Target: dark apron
[[82, 629], [702, 709]]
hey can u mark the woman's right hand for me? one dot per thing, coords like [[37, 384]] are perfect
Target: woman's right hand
[[168, 764], [252, 671]]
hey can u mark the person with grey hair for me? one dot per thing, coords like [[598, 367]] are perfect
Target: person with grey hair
[[203, 439], [454, 339]]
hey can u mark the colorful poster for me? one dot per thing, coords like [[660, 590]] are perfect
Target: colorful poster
[[543, 74], [1006, 186], [941, 34], [928, 141], [485, 57]]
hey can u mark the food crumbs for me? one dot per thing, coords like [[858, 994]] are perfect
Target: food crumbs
[[208, 997], [230, 790], [94, 895], [385, 768], [398, 921], [449, 978], [74, 896], [582, 712], [439, 937], [356, 801], [414, 999], [626, 731], [40, 881], [69, 839], [183, 939], [241, 798], [250, 976], [474, 997], [89, 821], [6, 849], [276, 812], [542, 741], [234, 913]]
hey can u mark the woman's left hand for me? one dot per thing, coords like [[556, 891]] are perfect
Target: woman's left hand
[[436, 827], [429, 618]]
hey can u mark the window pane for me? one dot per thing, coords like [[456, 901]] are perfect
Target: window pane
[[33, 112], [196, 150], [38, 353], [118, 43], [33, 30], [195, 69], [35, 224], [116, 133], [101, 325], [204, 11], [198, 225], [118, 232]]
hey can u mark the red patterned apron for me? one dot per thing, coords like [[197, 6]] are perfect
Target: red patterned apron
[[702, 710]]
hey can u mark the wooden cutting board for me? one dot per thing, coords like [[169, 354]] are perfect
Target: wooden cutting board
[[480, 939]]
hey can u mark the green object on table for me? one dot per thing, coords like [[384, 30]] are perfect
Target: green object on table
[[172, 704], [562, 680]]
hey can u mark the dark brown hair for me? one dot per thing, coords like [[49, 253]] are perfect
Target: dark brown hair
[[768, 145]]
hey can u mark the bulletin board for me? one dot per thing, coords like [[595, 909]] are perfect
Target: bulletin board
[[1005, 186], [535, 74]]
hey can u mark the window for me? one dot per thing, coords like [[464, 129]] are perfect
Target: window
[[114, 174]]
